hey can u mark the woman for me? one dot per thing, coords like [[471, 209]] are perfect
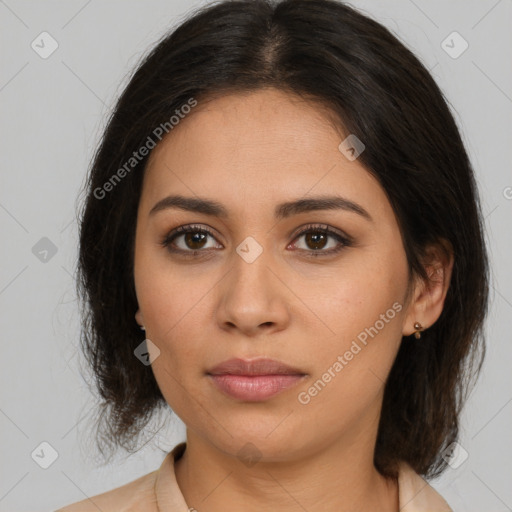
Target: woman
[[283, 204]]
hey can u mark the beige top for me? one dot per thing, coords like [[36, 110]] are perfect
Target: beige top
[[159, 491]]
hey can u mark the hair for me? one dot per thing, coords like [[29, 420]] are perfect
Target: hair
[[328, 52]]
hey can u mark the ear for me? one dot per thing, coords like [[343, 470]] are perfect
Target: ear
[[428, 297], [138, 318]]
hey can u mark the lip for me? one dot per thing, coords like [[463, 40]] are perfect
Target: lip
[[254, 388], [254, 380], [259, 366]]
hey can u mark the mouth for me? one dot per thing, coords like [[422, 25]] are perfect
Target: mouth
[[254, 388], [254, 380], [254, 367]]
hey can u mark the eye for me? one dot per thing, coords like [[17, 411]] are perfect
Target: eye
[[316, 238], [193, 240]]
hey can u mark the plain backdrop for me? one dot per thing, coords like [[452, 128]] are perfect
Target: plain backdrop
[[52, 112]]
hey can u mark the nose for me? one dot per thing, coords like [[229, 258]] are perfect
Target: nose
[[252, 298]]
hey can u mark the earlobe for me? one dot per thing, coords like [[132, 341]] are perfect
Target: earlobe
[[139, 319]]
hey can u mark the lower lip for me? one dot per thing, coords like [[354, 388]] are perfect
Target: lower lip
[[254, 388]]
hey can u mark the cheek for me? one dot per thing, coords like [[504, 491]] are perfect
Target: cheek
[[363, 308], [173, 305], [171, 308], [356, 295], [174, 313], [169, 294]]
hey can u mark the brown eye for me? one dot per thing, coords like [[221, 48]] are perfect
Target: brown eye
[[194, 240], [188, 239], [316, 239]]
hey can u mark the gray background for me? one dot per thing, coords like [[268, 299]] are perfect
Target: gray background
[[53, 111]]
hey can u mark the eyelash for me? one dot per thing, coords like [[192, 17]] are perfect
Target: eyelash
[[323, 229]]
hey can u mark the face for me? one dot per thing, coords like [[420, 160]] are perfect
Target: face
[[251, 284]]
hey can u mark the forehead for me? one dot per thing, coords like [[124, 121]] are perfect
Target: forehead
[[258, 148], [262, 122]]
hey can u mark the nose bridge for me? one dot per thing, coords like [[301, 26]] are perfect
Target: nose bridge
[[251, 296], [251, 262]]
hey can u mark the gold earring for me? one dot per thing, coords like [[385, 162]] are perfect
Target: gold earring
[[419, 328]]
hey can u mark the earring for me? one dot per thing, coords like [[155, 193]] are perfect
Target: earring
[[419, 328], [142, 328]]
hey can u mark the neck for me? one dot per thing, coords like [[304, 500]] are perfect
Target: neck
[[337, 477]]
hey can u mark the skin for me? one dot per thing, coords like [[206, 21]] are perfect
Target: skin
[[251, 152]]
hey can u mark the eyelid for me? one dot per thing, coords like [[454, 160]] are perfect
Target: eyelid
[[180, 230], [324, 228], [343, 238]]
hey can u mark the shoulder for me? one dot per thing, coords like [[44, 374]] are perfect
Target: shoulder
[[416, 494], [137, 495]]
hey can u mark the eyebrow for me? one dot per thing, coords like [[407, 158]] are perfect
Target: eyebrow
[[282, 211]]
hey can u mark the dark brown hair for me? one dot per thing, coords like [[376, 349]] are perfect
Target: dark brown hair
[[329, 52]]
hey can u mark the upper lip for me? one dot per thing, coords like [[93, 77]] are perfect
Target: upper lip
[[261, 366]]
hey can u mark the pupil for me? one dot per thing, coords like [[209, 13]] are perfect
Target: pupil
[[315, 238], [195, 238]]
